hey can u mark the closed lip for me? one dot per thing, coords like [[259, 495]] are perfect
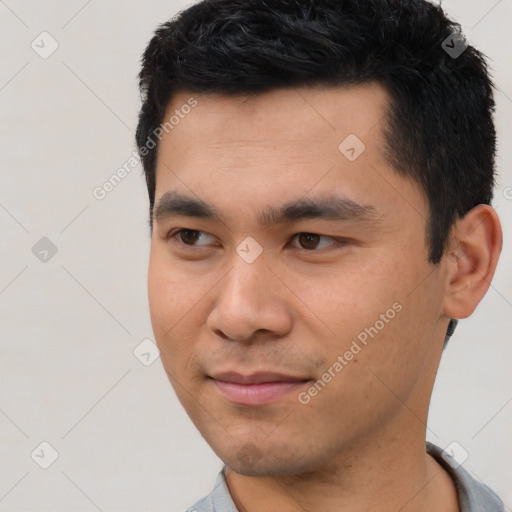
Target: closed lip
[[255, 378], [255, 389]]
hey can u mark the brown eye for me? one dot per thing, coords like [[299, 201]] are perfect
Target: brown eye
[[192, 238], [309, 240], [313, 242], [188, 236]]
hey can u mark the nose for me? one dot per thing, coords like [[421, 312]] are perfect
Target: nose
[[251, 299]]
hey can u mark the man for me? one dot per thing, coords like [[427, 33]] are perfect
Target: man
[[319, 175]]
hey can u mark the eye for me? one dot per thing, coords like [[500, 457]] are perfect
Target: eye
[[190, 237], [312, 241], [307, 241]]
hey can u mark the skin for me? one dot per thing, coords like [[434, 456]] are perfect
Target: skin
[[359, 444]]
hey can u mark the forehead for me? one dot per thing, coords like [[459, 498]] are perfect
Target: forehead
[[241, 151], [283, 115]]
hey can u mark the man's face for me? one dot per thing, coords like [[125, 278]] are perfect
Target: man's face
[[342, 277]]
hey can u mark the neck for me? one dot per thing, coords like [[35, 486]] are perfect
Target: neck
[[392, 476]]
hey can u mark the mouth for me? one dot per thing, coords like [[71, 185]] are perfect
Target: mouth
[[256, 389]]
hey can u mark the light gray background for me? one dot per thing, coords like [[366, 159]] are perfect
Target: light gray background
[[68, 375]]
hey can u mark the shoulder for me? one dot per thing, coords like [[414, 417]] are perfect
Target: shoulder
[[473, 495], [203, 505], [219, 500]]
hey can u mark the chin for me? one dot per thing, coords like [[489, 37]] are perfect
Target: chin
[[252, 460]]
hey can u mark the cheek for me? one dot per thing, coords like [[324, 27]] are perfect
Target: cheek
[[177, 302], [366, 309], [347, 298], [171, 291], [170, 299], [385, 331], [161, 295]]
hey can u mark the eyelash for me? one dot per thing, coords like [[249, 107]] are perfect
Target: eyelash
[[174, 235]]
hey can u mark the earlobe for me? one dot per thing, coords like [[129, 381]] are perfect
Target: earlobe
[[471, 258]]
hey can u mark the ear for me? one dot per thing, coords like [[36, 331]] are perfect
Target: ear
[[471, 258]]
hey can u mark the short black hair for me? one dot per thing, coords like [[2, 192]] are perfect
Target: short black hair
[[439, 130]]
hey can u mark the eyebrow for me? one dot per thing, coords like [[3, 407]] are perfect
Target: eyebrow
[[330, 207]]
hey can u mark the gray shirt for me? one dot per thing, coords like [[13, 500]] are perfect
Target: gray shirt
[[473, 495]]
